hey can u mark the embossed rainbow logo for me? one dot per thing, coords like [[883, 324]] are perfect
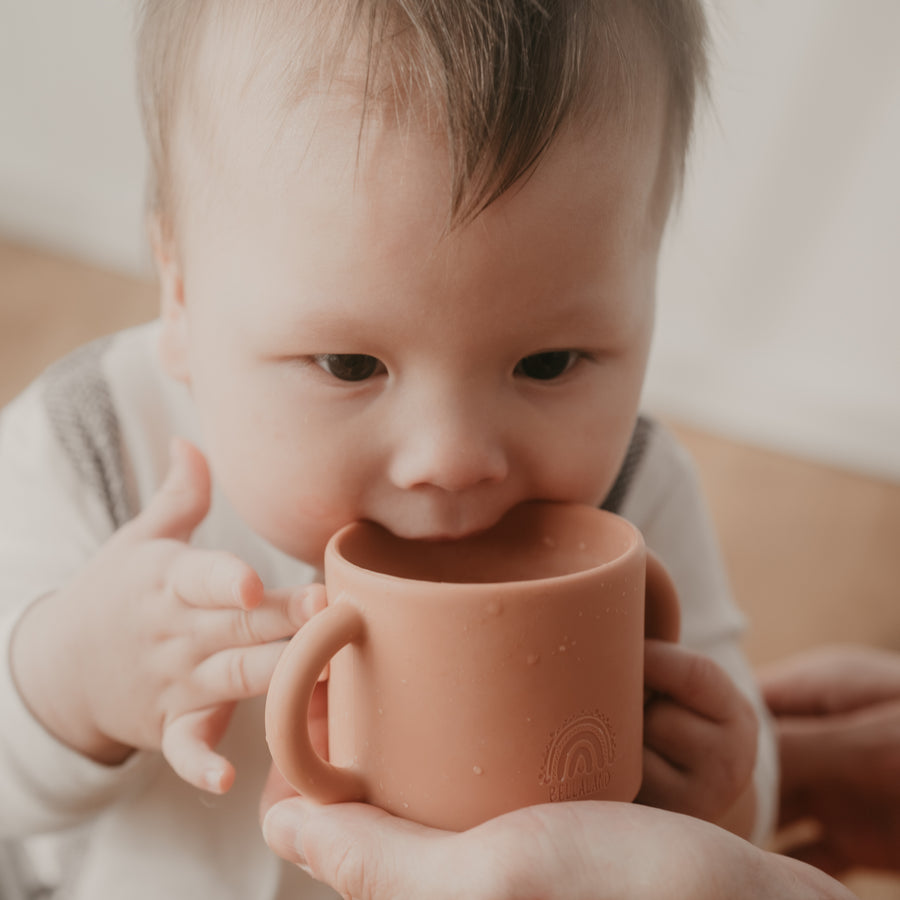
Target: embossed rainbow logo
[[579, 757]]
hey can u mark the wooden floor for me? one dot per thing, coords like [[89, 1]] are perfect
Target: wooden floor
[[814, 553]]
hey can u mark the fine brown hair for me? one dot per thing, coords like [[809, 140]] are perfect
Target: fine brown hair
[[503, 76]]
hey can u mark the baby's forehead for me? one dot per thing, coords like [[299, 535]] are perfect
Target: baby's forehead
[[262, 67], [233, 50], [258, 68]]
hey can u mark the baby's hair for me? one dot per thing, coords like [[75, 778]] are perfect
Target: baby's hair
[[503, 76]]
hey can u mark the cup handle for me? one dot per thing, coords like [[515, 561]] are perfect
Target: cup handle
[[662, 615], [287, 706]]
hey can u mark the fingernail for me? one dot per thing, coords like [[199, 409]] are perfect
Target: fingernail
[[281, 829], [212, 778]]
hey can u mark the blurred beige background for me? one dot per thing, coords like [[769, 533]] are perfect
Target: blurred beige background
[[777, 357]]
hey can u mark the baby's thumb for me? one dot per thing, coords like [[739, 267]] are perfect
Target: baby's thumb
[[182, 501]]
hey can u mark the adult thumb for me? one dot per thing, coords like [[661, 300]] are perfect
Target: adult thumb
[[359, 850], [181, 502]]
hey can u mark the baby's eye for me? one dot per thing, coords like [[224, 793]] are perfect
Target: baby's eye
[[546, 366], [350, 366]]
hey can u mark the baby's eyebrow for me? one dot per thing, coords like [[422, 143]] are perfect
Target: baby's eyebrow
[[322, 327]]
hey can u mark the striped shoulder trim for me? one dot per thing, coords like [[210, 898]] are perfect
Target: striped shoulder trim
[[79, 406], [640, 437]]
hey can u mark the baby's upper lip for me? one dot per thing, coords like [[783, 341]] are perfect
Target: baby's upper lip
[[446, 534], [439, 520], [449, 536]]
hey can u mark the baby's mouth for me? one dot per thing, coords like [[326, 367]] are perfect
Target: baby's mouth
[[446, 528], [450, 537], [438, 537], [443, 533]]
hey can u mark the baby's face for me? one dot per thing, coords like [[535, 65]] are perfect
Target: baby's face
[[348, 360]]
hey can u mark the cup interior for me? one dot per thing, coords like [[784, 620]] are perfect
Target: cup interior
[[533, 541]]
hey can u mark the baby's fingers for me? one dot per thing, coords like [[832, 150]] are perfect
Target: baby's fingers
[[280, 616], [700, 733], [665, 786], [187, 743], [217, 683], [234, 674], [692, 764], [212, 579], [691, 680]]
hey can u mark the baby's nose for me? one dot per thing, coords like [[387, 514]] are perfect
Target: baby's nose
[[449, 449]]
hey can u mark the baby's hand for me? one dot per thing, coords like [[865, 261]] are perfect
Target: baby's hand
[[151, 645], [699, 735]]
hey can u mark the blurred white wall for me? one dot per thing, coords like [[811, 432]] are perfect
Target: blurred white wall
[[779, 317], [72, 158]]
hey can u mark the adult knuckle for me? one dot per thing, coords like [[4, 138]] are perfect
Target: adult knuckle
[[351, 875], [512, 872]]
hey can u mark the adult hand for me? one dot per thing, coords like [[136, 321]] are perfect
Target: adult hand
[[837, 711], [583, 850]]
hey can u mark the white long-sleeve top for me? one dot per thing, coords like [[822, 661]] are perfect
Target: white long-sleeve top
[[82, 450]]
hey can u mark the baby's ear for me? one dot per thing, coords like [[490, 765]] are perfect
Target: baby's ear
[[173, 344]]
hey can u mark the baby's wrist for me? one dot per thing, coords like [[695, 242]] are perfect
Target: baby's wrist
[[48, 679]]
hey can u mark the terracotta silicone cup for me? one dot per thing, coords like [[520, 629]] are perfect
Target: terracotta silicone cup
[[474, 677]]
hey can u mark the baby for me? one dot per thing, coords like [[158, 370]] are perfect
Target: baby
[[407, 256]]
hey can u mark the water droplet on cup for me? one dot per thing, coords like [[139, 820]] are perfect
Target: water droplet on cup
[[478, 770], [533, 659], [494, 608]]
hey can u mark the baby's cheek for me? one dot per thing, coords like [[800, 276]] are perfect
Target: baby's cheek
[[299, 522], [587, 478]]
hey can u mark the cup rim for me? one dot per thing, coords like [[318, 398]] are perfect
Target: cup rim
[[635, 545]]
